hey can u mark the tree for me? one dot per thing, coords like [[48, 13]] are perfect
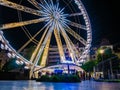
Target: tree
[[88, 66], [107, 53], [11, 64]]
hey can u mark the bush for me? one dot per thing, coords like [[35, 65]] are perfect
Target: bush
[[59, 78], [44, 78], [55, 78]]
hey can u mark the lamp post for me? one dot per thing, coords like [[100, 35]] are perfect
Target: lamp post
[[111, 71], [68, 68], [102, 52]]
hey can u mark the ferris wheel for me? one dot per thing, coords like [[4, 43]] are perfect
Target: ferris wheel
[[43, 23]]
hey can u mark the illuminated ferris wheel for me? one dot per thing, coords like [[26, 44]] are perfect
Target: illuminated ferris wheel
[[44, 22]]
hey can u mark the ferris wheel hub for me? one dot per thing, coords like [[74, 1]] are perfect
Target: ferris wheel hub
[[56, 15]]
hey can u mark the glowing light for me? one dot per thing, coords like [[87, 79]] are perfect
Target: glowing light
[[0, 37], [2, 46], [26, 67], [13, 55], [9, 55], [6, 47], [1, 32], [17, 62], [101, 51]]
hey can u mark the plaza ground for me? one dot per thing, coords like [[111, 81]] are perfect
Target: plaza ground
[[33, 85]]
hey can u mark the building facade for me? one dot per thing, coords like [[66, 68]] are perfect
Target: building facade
[[54, 58]]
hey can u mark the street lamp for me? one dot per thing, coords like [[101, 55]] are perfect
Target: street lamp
[[102, 52]]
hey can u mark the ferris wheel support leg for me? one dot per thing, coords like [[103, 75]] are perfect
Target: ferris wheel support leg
[[40, 51], [38, 46], [41, 40], [60, 46], [32, 59], [70, 48], [45, 53], [77, 53]]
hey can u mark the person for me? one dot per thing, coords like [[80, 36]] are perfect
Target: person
[[39, 74]]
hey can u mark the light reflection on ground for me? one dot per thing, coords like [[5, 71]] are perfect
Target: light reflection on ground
[[33, 85]]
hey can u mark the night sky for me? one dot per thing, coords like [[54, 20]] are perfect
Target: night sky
[[103, 16], [104, 19]]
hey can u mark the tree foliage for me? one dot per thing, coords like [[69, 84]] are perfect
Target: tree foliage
[[11, 64], [88, 66], [105, 55]]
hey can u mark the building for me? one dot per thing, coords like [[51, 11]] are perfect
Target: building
[[53, 54], [54, 57]]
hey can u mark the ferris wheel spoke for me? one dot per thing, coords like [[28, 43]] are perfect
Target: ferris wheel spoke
[[32, 38], [51, 1], [46, 3], [29, 34], [76, 35], [45, 6], [73, 14], [41, 1], [22, 23], [25, 45], [67, 3], [19, 7], [46, 10], [57, 5], [35, 4], [77, 25], [23, 27]]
